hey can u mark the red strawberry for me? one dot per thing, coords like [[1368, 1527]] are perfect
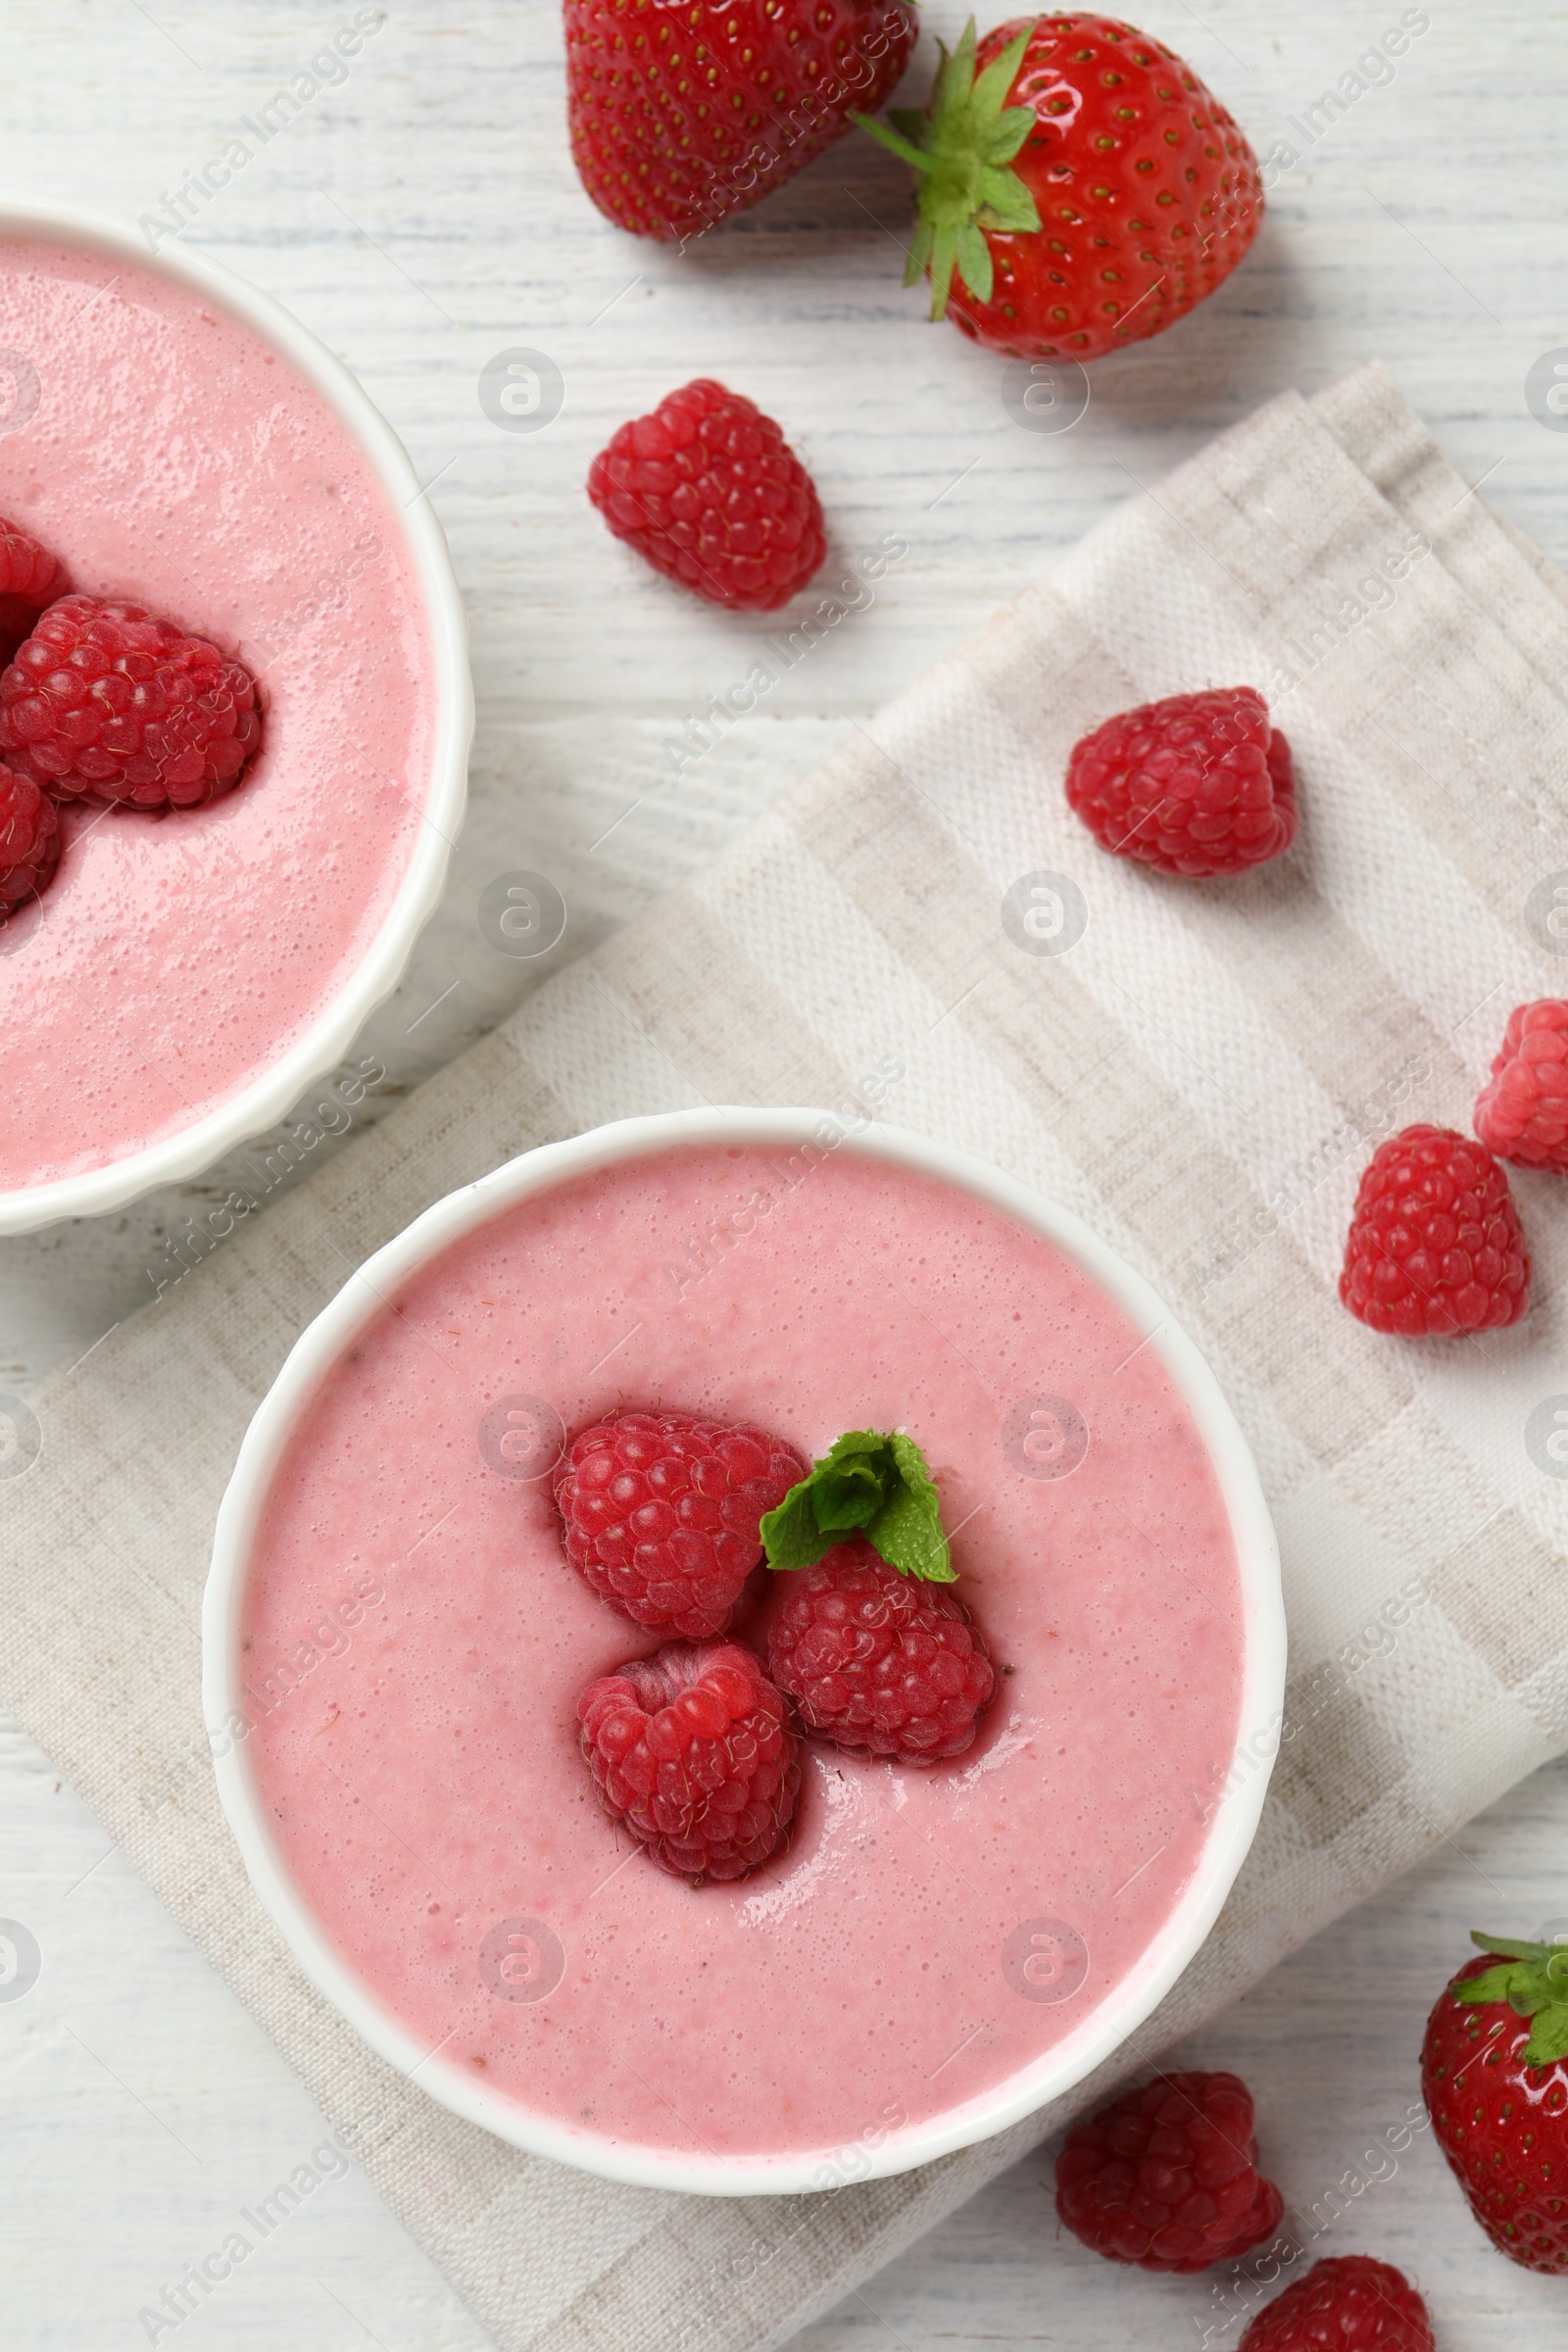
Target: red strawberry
[[1078, 181], [691, 1749], [681, 113], [1494, 2076], [1166, 2176], [1350, 2303]]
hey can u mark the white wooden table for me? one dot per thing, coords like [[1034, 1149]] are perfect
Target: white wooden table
[[421, 214]]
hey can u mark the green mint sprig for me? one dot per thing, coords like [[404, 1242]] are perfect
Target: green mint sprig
[[865, 1484], [1534, 1982]]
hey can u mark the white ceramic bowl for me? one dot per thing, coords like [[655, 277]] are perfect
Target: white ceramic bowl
[[1235, 1816], [268, 1098]]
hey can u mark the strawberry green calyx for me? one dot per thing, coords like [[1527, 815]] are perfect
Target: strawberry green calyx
[[962, 150], [1534, 1982], [865, 1484]]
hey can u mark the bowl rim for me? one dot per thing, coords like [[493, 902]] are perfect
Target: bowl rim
[[1237, 1808], [266, 1100]]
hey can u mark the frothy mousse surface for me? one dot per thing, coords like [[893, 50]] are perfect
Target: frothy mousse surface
[[415, 1645], [175, 460]]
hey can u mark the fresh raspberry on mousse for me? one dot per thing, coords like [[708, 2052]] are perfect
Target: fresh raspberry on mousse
[[877, 1655], [661, 1514], [692, 1751], [30, 579], [878, 1662], [105, 702], [1166, 2176], [30, 840]]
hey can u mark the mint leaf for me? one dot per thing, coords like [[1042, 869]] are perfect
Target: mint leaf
[[791, 1535], [850, 1486], [865, 1484], [908, 1531]]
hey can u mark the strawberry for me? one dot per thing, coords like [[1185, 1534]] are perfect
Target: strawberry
[[1080, 189], [681, 113], [1494, 2075]]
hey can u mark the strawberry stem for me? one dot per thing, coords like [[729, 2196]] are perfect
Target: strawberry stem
[[1533, 1978], [961, 147]]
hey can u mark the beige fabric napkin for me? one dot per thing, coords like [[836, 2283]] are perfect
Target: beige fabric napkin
[[1199, 1075]]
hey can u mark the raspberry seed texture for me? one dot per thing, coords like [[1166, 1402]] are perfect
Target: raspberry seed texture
[[692, 1751], [30, 579], [1166, 2176], [105, 702], [1522, 1112], [1435, 1245], [877, 1662], [1198, 784], [662, 1513], [709, 492], [30, 840], [1350, 2303]]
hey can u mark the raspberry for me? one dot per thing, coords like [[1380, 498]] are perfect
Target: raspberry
[[31, 578], [1350, 2303], [1198, 784], [1522, 1112], [105, 702], [30, 840], [709, 490], [1166, 2176], [690, 1748], [661, 1514], [879, 1663], [1435, 1245]]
